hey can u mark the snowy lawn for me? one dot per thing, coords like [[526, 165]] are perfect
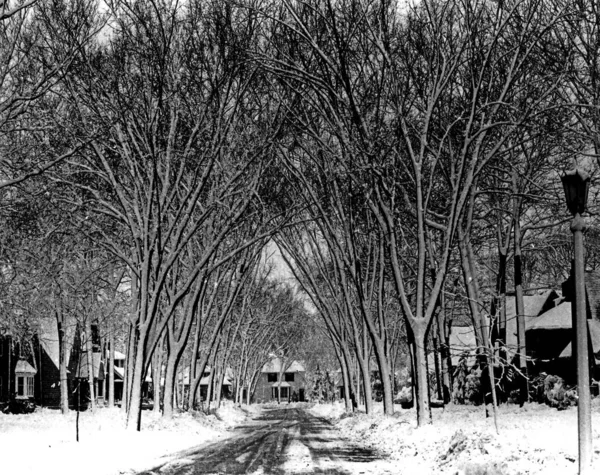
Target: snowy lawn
[[44, 442], [535, 439]]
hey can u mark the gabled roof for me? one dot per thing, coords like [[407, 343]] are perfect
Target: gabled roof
[[557, 318], [534, 305], [594, 333], [48, 338], [461, 340], [274, 366], [118, 355], [97, 366], [24, 367]]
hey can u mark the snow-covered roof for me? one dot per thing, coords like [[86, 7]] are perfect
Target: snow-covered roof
[[557, 318], [594, 329], [461, 340], [118, 355], [24, 367], [282, 384], [97, 366], [274, 366], [48, 338], [533, 305]]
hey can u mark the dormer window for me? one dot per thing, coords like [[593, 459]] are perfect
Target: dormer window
[[24, 374]]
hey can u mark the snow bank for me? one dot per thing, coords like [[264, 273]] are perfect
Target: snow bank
[[534, 439], [231, 414], [329, 411], [44, 442]]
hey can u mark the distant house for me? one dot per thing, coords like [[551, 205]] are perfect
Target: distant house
[[182, 383], [290, 387], [548, 331], [31, 368], [550, 335], [462, 341], [462, 344], [534, 306]]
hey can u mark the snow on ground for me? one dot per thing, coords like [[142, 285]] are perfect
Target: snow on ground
[[534, 439], [44, 441]]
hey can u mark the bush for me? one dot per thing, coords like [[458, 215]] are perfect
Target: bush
[[551, 390], [19, 406]]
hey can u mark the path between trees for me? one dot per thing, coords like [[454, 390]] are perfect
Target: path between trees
[[279, 440]]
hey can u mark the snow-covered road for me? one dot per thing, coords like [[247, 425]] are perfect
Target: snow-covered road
[[280, 440]]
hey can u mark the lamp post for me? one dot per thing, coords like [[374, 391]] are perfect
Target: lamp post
[[576, 184]]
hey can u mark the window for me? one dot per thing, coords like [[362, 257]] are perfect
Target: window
[[284, 393], [271, 377], [289, 377], [24, 386]]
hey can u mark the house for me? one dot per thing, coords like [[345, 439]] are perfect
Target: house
[[534, 306], [281, 380], [182, 383], [226, 387], [27, 370], [462, 341], [30, 367], [462, 344], [550, 335]]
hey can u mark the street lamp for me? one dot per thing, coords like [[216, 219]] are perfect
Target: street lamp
[[576, 184]]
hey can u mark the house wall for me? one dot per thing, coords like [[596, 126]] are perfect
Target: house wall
[[264, 393], [10, 353], [47, 379], [7, 366]]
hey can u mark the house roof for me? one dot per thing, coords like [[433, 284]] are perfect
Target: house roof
[[120, 373], [24, 367], [118, 355], [282, 384], [594, 333], [48, 338], [592, 287], [274, 366], [557, 318], [97, 366], [534, 305], [461, 340]]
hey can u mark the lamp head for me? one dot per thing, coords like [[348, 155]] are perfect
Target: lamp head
[[576, 184]]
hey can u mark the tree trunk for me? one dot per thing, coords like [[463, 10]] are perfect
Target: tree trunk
[[445, 359], [169, 390], [219, 387], [422, 384], [209, 389], [519, 301], [62, 349], [90, 364], [111, 367], [366, 383], [134, 413], [157, 363]]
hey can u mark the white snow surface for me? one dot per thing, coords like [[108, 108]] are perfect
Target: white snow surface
[[534, 439], [44, 441]]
